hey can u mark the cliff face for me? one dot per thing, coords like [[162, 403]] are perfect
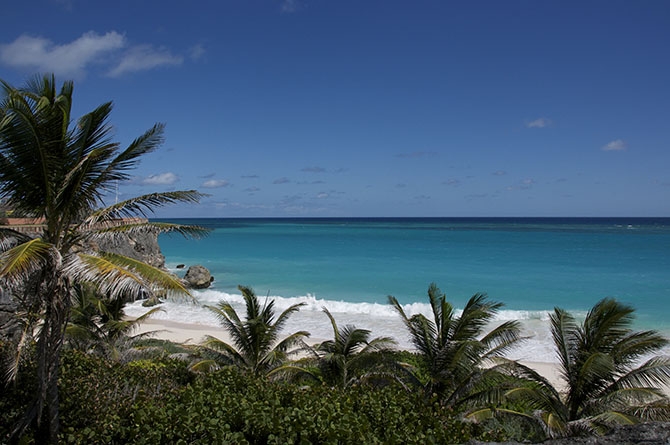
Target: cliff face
[[143, 247]]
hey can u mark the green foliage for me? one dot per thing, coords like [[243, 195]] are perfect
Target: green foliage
[[456, 352], [98, 325], [98, 397], [15, 395], [606, 381], [159, 401], [256, 346], [230, 406], [351, 357]]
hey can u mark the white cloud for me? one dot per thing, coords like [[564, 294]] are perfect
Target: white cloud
[[281, 181], [145, 57], [215, 183], [70, 59], [167, 178], [73, 59], [314, 169], [538, 123], [196, 51], [524, 184], [615, 145]]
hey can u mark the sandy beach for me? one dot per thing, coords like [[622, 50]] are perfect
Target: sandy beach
[[191, 333]]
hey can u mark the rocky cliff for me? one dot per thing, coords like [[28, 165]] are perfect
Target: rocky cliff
[[143, 247]]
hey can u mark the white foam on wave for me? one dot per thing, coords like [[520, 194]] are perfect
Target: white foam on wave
[[380, 319]]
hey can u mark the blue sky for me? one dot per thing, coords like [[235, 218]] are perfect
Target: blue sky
[[372, 108]]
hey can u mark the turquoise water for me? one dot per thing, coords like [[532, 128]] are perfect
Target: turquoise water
[[352, 265]]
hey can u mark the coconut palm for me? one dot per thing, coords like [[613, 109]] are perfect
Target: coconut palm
[[98, 325], [606, 380], [60, 172], [255, 347], [456, 350], [352, 356]]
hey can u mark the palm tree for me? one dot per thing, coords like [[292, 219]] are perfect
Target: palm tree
[[605, 378], [455, 350], [60, 172], [98, 325], [350, 357], [255, 347]]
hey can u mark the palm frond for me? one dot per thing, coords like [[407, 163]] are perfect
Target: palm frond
[[143, 205], [11, 238], [119, 276], [634, 345], [294, 372], [204, 365], [113, 227], [563, 330], [154, 276], [502, 339], [655, 372], [476, 315], [224, 349], [293, 340], [19, 262], [146, 143], [284, 316]]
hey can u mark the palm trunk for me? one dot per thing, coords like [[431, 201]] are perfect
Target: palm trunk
[[43, 412]]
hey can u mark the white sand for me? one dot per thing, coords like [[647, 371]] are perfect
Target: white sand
[[195, 333]]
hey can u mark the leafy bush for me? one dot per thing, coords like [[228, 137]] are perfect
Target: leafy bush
[[160, 401], [15, 396], [229, 406], [98, 397]]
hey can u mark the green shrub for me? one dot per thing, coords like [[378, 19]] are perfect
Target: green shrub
[[160, 401]]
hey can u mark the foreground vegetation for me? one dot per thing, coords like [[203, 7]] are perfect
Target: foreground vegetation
[[160, 401]]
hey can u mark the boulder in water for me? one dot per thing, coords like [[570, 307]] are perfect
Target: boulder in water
[[198, 277]]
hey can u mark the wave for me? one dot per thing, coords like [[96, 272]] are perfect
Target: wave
[[380, 319]]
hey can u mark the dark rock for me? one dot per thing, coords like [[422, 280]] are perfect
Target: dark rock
[[643, 433], [198, 277], [152, 301], [649, 433], [180, 266]]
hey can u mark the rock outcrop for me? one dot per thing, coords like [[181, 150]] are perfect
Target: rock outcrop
[[143, 247], [640, 434], [198, 277]]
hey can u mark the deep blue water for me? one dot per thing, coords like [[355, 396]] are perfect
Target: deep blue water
[[530, 264]]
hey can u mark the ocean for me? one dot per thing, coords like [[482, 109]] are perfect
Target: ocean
[[351, 265]]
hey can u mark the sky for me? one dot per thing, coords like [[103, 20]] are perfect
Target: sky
[[328, 108]]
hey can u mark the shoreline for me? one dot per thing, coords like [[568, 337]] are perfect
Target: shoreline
[[194, 333]]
